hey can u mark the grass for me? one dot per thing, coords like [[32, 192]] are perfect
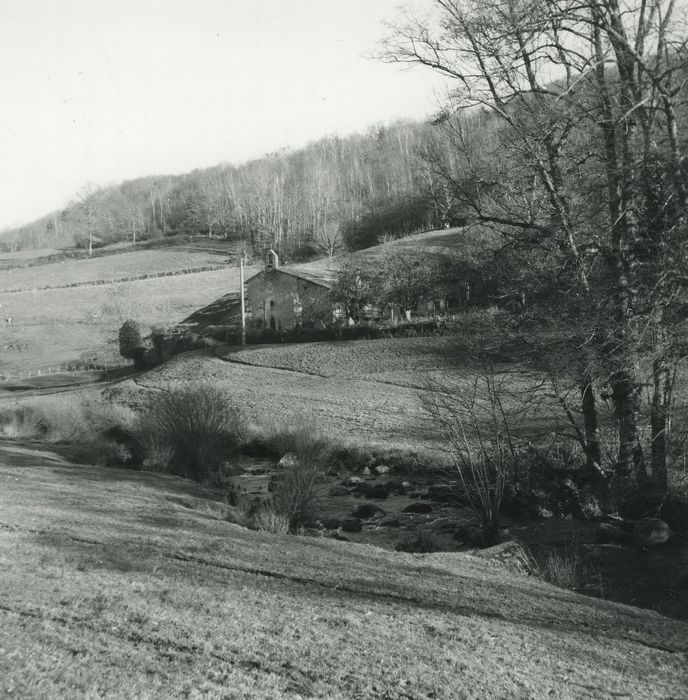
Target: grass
[[347, 410], [123, 584], [80, 423], [109, 267], [62, 325]]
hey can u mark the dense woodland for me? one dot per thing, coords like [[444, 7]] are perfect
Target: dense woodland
[[334, 193]]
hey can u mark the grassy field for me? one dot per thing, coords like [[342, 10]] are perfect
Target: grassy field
[[23, 255], [126, 264], [358, 392], [60, 325], [128, 584], [53, 327], [443, 242], [352, 411]]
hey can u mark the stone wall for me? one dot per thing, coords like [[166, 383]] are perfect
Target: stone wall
[[278, 295]]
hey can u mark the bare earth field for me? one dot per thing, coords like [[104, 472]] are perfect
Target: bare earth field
[[126, 584], [355, 410]]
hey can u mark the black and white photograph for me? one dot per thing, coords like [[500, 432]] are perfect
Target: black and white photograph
[[344, 349]]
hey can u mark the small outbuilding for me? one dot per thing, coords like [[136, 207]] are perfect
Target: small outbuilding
[[282, 297]]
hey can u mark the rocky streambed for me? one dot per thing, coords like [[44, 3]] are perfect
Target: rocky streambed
[[413, 513]]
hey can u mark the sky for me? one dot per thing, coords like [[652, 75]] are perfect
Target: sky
[[99, 91]]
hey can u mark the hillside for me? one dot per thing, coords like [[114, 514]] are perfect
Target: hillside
[[110, 268], [132, 584], [353, 189], [79, 318], [71, 310]]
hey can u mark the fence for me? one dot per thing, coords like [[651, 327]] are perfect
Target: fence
[[59, 369], [120, 280]]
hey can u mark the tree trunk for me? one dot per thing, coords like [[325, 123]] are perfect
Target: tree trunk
[[659, 421], [591, 425], [630, 461]]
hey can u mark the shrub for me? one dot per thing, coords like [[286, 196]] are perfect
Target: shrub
[[478, 438], [564, 568], [277, 438], [295, 491], [158, 339], [199, 426], [268, 519], [130, 346], [65, 418]]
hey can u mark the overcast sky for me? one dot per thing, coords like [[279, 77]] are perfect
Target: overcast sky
[[105, 90]]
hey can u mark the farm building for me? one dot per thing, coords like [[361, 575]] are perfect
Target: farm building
[[282, 297]]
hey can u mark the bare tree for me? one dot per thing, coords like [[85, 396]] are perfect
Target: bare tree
[[90, 207], [328, 240], [582, 164]]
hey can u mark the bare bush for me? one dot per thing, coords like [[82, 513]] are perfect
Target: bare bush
[[565, 568], [267, 519], [296, 491], [477, 436], [198, 424]]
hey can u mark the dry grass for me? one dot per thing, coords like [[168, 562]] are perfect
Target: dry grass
[[118, 584], [347, 410], [62, 325], [77, 418], [126, 264], [268, 519], [564, 568]]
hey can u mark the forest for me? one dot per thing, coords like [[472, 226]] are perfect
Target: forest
[[333, 194]]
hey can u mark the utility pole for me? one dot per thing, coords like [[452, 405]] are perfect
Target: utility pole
[[243, 308]]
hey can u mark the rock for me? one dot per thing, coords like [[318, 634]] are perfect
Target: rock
[[512, 555], [288, 461], [605, 533], [367, 510], [314, 524], [649, 499], [381, 469], [649, 532], [377, 491], [470, 535], [675, 513], [351, 525], [442, 493], [352, 481], [364, 489], [331, 523], [422, 543], [444, 524], [336, 491], [391, 522], [418, 508], [395, 486], [590, 508]]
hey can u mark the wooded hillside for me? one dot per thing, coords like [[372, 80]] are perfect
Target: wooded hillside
[[335, 192]]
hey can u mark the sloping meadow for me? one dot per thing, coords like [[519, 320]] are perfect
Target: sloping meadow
[[123, 584]]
